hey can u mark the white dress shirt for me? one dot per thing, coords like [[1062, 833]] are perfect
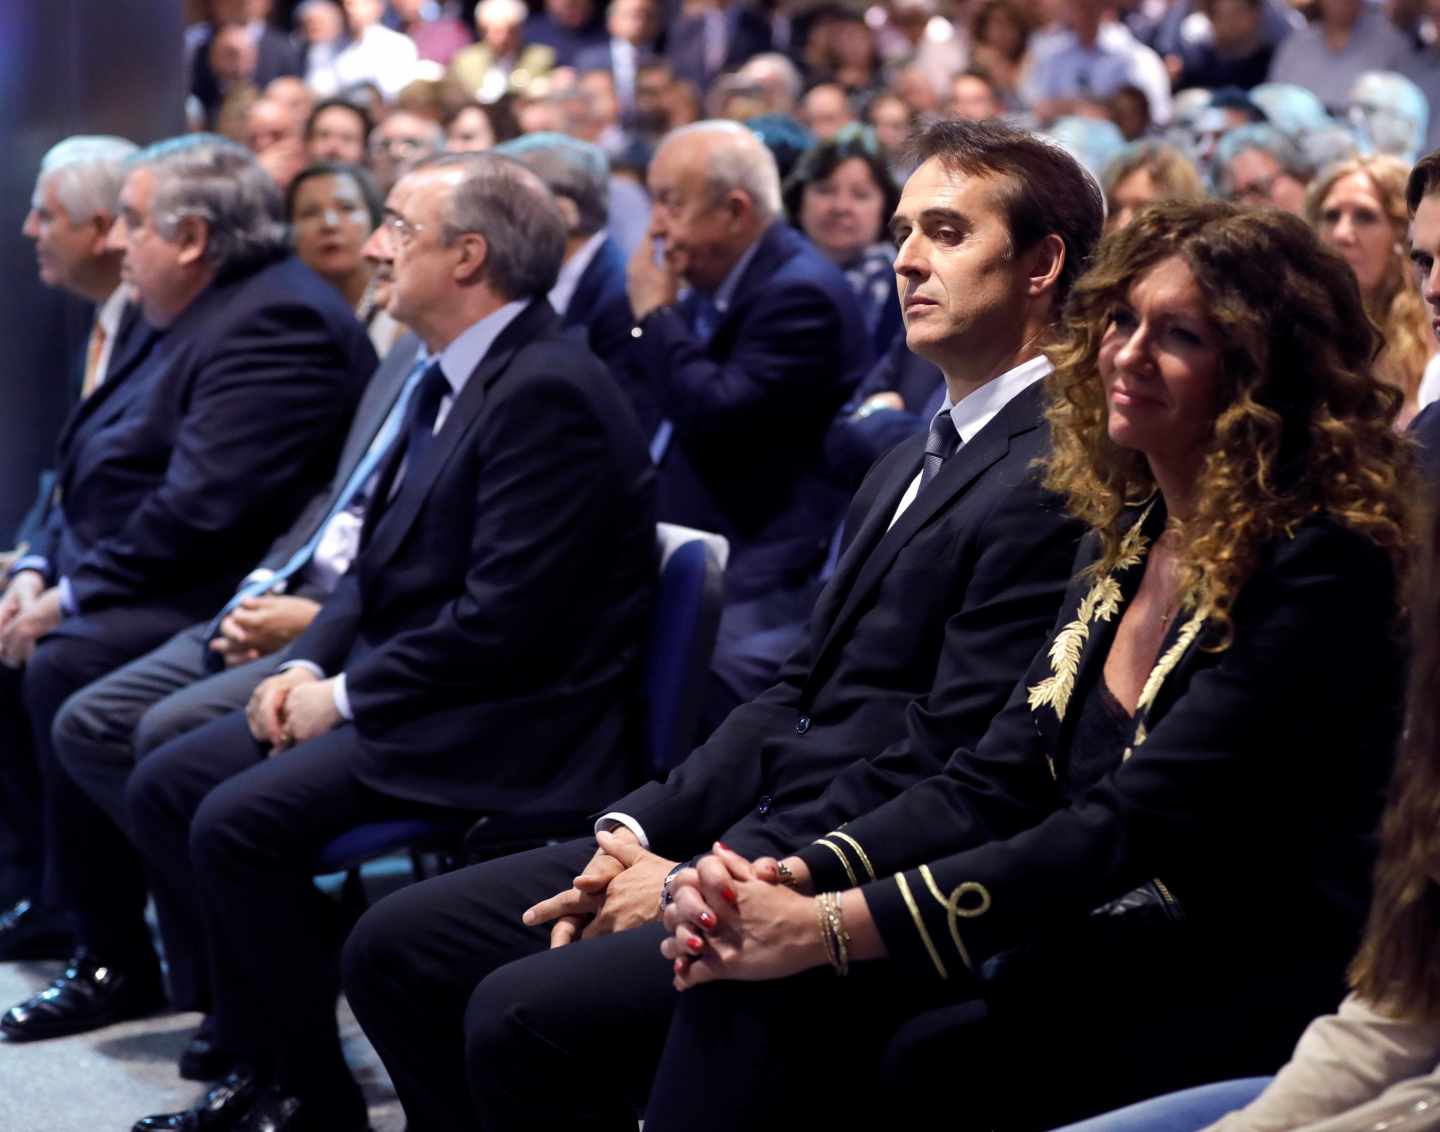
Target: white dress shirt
[[386, 58]]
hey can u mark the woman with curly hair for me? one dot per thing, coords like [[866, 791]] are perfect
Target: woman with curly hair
[[1153, 868], [1358, 207]]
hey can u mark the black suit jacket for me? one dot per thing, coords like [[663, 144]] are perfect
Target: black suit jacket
[[276, 55], [205, 443], [925, 626], [491, 629], [746, 34], [1251, 791], [1425, 430], [600, 307], [750, 409]]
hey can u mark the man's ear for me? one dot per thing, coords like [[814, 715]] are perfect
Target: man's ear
[[474, 254], [737, 207], [1047, 261], [193, 236]]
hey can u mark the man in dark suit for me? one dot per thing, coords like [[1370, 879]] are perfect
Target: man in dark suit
[[186, 462], [482, 653], [707, 37], [955, 566], [257, 51], [589, 293], [747, 342], [204, 671], [631, 25]]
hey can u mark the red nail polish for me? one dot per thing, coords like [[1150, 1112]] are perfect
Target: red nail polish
[[722, 845], [707, 921], [679, 966], [730, 898], [695, 945]]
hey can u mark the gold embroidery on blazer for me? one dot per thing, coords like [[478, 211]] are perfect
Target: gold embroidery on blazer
[[864, 859], [1100, 604], [920, 927], [844, 860], [951, 919]]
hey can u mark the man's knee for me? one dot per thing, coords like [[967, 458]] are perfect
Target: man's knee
[[161, 723]]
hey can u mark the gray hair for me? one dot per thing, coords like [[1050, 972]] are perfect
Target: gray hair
[[511, 207], [772, 65], [1264, 139], [745, 163], [570, 168], [87, 172], [219, 181]]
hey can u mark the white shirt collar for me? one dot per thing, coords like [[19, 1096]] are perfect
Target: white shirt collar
[[459, 359], [571, 271], [978, 408], [107, 314], [726, 291]]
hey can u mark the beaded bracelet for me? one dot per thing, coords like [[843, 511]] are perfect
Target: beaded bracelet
[[832, 931]]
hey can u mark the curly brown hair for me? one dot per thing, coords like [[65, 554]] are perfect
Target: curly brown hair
[[1396, 305], [1303, 428], [1398, 967]]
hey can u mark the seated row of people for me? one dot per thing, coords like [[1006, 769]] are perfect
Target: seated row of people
[[472, 610]]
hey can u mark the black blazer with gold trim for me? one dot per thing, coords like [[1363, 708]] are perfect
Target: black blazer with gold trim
[[1252, 791]]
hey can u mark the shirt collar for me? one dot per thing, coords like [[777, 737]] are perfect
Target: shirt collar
[[726, 291], [979, 407], [459, 359], [570, 271], [107, 314]]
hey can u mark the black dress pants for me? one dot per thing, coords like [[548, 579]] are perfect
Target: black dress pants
[[480, 1025], [99, 734], [233, 833]]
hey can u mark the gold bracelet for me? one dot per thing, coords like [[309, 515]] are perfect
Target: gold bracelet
[[832, 931], [822, 918]]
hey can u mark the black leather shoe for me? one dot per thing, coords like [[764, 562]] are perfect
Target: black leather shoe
[[203, 1059], [86, 996], [221, 1108], [28, 931], [273, 1111]]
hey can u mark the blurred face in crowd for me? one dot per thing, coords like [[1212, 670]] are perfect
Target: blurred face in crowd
[[338, 134], [569, 13], [960, 282], [601, 106], [1257, 178], [232, 54], [269, 124], [914, 86], [891, 120], [1002, 33], [499, 31], [842, 213], [1340, 13], [322, 23], [826, 110], [160, 272], [363, 14], [631, 20], [399, 142], [1236, 24], [469, 132], [66, 250], [408, 11], [331, 224], [1353, 222], [1133, 193], [972, 98], [696, 232], [1160, 364], [1425, 253], [291, 93]]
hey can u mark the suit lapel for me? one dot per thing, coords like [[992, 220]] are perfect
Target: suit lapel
[[133, 341]]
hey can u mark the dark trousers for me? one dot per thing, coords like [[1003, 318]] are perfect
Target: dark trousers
[[62, 832], [233, 833], [99, 734], [477, 1021]]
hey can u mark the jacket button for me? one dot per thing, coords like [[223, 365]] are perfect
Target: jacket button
[[764, 807], [802, 725]]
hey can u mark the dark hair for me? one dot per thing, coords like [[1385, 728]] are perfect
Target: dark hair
[[500, 114], [366, 124], [822, 160], [1424, 180], [1043, 190], [980, 23], [361, 177]]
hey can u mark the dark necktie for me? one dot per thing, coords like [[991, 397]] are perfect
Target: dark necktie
[[940, 445], [424, 408]]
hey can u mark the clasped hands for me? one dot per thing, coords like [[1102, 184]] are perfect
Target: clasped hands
[[261, 625], [292, 707], [28, 611]]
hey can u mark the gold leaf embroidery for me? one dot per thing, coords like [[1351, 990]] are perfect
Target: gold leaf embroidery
[[1164, 666]]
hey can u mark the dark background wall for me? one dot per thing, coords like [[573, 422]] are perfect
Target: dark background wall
[[66, 67]]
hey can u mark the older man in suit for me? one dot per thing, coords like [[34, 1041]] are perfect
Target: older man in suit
[[954, 568], [481, 654], [184, 465], [589, 293], [202, 672]]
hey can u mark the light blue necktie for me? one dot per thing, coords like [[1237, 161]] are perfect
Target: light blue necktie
[[379, 447]]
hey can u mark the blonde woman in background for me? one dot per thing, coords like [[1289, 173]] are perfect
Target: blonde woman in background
[[1358, 208]]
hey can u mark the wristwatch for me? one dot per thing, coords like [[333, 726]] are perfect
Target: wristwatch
[[667, 893]]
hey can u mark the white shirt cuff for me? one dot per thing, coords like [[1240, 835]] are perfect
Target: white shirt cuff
[[342, 698], [613, 820], [67, 598], [34, 562]]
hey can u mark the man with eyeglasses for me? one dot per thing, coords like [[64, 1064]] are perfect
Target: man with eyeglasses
[[400, 142], [1259, 165], [481, 654]]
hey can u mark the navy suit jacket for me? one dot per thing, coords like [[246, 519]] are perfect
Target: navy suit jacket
[[912, 648], [600, 306], [1425, 429], [751, 407], [196, 451], [276, 55], [492, 626], [746, 34]]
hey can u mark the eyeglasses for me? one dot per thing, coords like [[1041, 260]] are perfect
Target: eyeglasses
[[402, 229], [392, 145], [1256, 192]]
